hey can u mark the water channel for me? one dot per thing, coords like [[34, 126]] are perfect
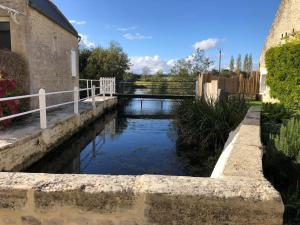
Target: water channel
[[137, 138]]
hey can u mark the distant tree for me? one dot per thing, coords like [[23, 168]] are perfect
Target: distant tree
[[246, 63], [239, 64], [182, 68], [128, 76], [109, 62], [200, 62], [250, 64], [145, 73], [231, 66], [159, 73], [194, 65]]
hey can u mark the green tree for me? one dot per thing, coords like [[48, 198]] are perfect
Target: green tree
[[200, 63], [246, 63], [84, 55], [239, 64], [250, 64], [194, 65], [159, 73], [107, 62], [182, 68], [231, 65]]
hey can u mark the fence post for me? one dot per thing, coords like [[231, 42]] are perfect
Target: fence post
[[93, 98], [42, 107], [76, 99]]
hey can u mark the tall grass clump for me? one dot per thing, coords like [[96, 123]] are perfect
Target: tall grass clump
[[204, 126]]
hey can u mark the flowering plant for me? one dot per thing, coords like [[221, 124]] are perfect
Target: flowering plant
[[8, 88]]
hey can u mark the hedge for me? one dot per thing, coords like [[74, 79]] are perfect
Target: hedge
[[283, 65]]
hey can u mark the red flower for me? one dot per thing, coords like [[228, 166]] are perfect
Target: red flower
[[8, 88]]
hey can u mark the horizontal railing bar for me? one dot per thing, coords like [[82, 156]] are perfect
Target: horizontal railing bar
[[18, 97], [19, 114], [83, 99], [59, 92], [173, 81], [58, 105], [87, 79]]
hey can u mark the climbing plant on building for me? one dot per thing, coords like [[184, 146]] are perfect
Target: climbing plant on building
[[283, 65]]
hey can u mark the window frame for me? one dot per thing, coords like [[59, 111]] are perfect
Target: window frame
[[7, 19]]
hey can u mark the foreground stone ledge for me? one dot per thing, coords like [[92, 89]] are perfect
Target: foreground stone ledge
[[142, 199]]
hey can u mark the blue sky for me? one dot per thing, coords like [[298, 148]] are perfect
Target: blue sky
[[157, 32]]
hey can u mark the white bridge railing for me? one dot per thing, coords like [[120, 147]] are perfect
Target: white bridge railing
[[106, 86]]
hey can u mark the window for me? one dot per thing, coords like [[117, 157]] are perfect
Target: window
[[5, 41]]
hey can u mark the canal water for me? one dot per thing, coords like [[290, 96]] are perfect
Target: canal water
[[138, 138]]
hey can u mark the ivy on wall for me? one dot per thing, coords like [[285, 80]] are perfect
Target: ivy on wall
[[283, 65]]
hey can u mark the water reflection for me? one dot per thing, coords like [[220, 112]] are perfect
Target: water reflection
[[138, 138]]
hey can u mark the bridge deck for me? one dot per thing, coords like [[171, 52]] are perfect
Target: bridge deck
[[159, 96]]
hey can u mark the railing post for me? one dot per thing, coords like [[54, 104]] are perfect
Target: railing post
[[76, 100], [93, 98], [42, 107], [111, 87], [99, 87], [91, 83], [87, 89]]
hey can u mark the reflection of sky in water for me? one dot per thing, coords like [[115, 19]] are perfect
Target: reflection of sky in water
[[149, 106], [143, 147]]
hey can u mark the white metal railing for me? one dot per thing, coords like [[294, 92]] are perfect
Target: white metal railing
[[103, 90], [106, 85]]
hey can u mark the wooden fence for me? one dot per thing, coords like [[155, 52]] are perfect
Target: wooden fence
[[210, 86]]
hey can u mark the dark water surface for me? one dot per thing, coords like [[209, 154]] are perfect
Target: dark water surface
[[138, 138]]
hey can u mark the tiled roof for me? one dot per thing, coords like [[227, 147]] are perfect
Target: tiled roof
[[50, 10]]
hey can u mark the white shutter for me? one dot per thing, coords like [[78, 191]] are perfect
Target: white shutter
[[74, 63]]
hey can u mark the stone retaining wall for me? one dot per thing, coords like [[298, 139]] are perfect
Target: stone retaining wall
[[237, 193], [25, 151]]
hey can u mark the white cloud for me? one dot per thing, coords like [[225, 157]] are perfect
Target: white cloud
[[85, 42], [206, 44], [154, 63], [124, 29], [77, 22], [136, 36]]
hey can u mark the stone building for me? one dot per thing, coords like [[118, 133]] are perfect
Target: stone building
[[286, 24], [38, 32]]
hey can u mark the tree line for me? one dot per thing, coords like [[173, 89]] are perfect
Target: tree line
[[236, 66], [114, 62]]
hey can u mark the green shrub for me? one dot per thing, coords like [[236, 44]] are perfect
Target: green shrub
[[283, 65], [205, 126], [288, 140]]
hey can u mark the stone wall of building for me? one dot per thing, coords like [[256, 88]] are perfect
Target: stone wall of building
[[237, 193], [286, 22], [46, 48], [49, 57]]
